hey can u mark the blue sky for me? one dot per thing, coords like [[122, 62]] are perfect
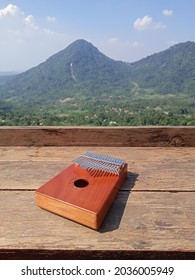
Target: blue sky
[[128, 30]]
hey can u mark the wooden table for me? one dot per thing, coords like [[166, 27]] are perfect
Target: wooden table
[[153, 216]]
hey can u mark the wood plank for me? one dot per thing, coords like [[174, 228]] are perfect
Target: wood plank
[[27, 175], [155, 217], [98, 136], [137, 221], [43, 254], [151, 168], [66, 154]]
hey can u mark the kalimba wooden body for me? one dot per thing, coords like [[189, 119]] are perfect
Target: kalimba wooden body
[[79, 195]]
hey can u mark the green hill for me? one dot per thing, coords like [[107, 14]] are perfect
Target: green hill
[[81, 86], [170, 71], [80, 69]]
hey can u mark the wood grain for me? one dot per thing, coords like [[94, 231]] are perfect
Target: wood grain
[[136, 221], [151, 217], [98, 136], [150, 169]]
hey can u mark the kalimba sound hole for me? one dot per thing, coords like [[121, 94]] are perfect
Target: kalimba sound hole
[[81, 183]]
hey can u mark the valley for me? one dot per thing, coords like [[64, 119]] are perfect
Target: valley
[[81, 86], [91, 111]]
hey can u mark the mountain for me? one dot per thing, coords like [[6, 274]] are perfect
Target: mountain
[[81, 86], [79, 69], [170, 71], [5, 76], [82, 70]]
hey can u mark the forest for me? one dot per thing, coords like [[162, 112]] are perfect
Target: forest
[[81, 86], [122, 111]]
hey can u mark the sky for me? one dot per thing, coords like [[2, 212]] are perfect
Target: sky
[[127, 30]]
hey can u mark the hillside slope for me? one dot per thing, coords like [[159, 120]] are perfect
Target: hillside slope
[[80, 69], [170, 71]]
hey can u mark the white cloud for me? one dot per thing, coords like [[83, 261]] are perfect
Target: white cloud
[[25, 40], [30, 20], [113, 40], [158, 25], [137, 44], [122, 49], [9, 10], [141, 24], [167, 12], [123, 44], [51, 19]]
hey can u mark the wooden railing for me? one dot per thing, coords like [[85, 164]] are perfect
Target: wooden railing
[[163, 136]]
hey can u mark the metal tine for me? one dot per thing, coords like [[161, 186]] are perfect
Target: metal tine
[[107, 167], [109, 158], [98, 165], [115, 160], [104, 159], [101, 157], [94, 168], [107, 163], [80, 161], [83, 163], [84, 166]]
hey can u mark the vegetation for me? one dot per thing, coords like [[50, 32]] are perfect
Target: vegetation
[[81, 86], [123, 111], [170, 71]]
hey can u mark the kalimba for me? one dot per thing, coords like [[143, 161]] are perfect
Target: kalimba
[[85, 190]]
